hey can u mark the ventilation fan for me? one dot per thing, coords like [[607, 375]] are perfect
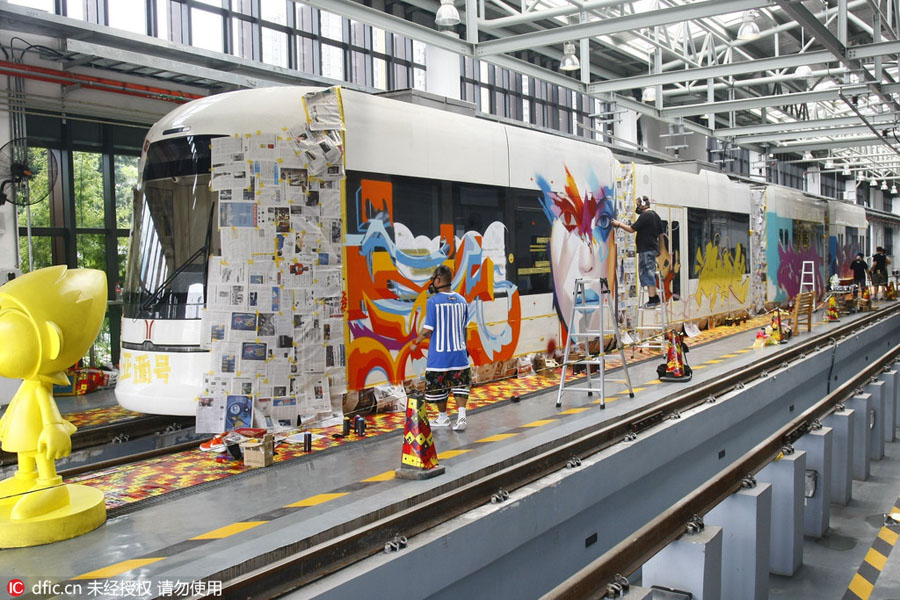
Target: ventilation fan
[[26, 174]]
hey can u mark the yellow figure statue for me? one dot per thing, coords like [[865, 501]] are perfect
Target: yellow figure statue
[[48, 320]]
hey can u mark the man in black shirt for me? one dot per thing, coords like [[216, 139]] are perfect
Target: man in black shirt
[[859, 268], [649, 234], [880, 262]]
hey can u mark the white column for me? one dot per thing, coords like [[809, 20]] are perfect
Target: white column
[[442, 74], [841, 424], [692, 563], [817, 507], [786, 544]]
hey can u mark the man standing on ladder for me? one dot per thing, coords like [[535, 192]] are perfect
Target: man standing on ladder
[[649, 229]]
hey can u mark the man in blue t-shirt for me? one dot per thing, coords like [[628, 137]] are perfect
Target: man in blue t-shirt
[[447, 368]]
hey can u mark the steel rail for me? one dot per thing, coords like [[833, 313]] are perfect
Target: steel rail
[[106, 433], [292, 566], [629, 554]]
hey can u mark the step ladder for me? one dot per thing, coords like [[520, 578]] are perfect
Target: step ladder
[[584, 309], [653, 335], [808, 277]]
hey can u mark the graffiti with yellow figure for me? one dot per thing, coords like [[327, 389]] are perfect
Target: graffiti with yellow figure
[[720, 275]]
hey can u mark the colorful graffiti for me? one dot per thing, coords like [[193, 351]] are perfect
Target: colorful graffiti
[[387, 289], [721, 276], [790, 268], [669, 266], [841, 257], [581, 241]]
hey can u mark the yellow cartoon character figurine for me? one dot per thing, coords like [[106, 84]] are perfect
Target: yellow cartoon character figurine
[[48, 320]]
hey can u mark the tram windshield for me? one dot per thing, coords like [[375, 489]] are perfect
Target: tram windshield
[[172, 237]]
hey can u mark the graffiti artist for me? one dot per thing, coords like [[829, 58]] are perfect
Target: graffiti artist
[[649, 232]]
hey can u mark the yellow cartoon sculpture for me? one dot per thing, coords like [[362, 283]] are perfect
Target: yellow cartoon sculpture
[[48, 320]]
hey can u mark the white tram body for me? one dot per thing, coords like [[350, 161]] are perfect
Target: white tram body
[[518, 213]]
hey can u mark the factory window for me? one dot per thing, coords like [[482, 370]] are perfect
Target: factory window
[[412, 202], [476, 207], [83, 217], [130, 15]]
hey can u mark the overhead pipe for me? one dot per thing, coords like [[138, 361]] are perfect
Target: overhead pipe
[[97, 83]]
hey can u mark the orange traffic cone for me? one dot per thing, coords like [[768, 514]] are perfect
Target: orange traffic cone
[[832, 314], [891, 293], [676, 370], [419, 459]]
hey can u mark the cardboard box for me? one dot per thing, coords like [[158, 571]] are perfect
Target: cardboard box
[[258, 452]]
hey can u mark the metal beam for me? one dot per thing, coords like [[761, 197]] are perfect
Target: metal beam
[[558, 35], [870, 50], [705, 108], [724, 70], [789, 134], [750, 130], [827, 145]]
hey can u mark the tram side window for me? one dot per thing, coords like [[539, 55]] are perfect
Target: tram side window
[[412, 202], [725, 230], [476, 207], [532, 240]]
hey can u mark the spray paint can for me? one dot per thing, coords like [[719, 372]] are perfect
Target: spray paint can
[[346, 426], [307, 442]]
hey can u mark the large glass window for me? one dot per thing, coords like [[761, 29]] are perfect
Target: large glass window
[[728, 232], [172, 237], [130, 15], [476, 207], [415, 203], [207, 30]]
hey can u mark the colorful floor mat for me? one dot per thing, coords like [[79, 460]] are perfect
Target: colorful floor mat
[[100, 416], [138, 481]]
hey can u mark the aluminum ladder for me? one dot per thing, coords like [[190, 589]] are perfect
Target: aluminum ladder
[[580, 332], [653, 336], [808, 277]]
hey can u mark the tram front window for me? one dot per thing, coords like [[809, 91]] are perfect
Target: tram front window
[[173, 231]]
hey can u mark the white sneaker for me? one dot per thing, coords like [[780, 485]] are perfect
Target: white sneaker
[[439, 422], [460, 424]]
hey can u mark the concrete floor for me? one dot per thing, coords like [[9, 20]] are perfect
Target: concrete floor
[[164, 529], [830, 563]]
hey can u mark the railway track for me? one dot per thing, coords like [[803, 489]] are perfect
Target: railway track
[[119, 432], [304, 561]]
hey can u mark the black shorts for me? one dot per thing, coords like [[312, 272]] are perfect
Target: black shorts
[[439, 384], [879, 278]]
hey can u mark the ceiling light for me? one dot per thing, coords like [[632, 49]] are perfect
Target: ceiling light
[[748, 30], [884, 184], [829, 164], [447, 15], [860, 176], [846, 172], [894, 188], [807, 155], [569, 61], [873, 182], [649, 94], [803, 71]]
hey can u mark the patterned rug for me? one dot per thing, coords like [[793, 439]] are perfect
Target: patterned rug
[[153, 477]]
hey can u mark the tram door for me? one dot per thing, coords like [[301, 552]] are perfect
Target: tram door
[[671, 254]]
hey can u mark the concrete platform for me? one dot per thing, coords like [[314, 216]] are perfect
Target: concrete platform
[[192, 536]]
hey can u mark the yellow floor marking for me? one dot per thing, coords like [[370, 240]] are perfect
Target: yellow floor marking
[[228, 530], [540, 423], [654, 382], [497, 438], [744, 351], [861, 587], [638, 389], [713, 361], [887, 535], [698, 367], [608, 399], [386, 476], [118, 568], [317, 499], [729, 355], [450, 454], [574, 411], [876, 558]]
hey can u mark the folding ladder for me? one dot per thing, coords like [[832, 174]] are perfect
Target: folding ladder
[[652, 335], [591, 296], [808, 277]]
